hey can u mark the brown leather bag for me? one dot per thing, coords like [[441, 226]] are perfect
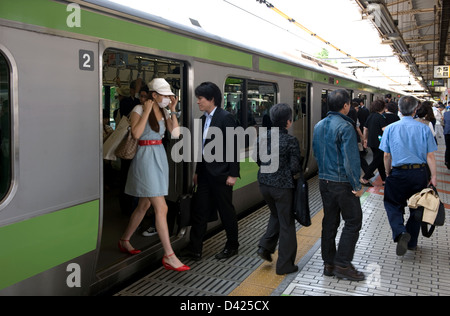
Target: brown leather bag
[[128, 147]]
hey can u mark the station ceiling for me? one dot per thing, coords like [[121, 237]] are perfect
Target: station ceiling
[[417, 30]]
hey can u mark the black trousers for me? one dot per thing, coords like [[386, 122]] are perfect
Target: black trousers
[[213, 193], [400, 186], [338, 199], [377, 163], [281, 227]]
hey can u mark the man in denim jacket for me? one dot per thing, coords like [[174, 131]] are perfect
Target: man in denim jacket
[[336, 150]]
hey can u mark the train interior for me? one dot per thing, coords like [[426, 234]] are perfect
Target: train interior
[[120, 71]]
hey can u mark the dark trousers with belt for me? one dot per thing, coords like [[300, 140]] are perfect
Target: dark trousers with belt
[[399, 187], [212, 193], [281, 227], [338, 199]]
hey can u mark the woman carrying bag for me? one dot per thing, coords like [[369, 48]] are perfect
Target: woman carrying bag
[[148, 176], [277, 189]]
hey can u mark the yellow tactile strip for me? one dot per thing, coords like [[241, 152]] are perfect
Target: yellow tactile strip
[[264, 280]]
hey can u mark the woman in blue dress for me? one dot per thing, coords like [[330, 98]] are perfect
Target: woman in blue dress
[[148, 176]]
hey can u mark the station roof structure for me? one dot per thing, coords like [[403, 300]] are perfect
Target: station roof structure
[[394, 44]]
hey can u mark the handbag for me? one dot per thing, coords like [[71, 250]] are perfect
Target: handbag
[[439, 221], [128, 147], [301, 209]]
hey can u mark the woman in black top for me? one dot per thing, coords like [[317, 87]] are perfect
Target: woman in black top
[[277, 188], [373, 131]]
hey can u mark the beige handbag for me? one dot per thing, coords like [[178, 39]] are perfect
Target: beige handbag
[[128, 147]]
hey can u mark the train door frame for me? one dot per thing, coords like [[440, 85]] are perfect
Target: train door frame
[[306, 113], [13, 128]]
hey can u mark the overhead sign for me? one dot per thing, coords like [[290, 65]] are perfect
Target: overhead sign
[[441, 72], [436, 83]]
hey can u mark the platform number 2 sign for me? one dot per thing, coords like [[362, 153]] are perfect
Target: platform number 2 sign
[[86, 60]]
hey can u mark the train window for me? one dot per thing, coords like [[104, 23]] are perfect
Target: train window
[[250, 101], [234, 97], [5, 128], [261, 97], [325, 103]]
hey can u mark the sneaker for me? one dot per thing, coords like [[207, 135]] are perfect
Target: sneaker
[[151, 231]]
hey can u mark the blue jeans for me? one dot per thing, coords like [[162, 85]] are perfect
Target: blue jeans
[[399, 187], [338, 199]]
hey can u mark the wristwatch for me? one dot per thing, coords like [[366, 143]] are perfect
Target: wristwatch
[[177, 114]]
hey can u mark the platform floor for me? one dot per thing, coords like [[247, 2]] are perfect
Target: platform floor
[[425, 271]]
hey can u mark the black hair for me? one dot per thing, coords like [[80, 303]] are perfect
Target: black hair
[[337, 99], [377, 106], [280, 114], [209, 91]]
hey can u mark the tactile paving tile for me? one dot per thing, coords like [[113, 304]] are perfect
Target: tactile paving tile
[[424, 272]]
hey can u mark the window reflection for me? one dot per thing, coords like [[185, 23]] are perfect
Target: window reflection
[[5, 128], [250, 101]]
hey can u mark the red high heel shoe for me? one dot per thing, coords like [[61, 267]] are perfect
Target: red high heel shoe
[[124, 250], [169, 267]]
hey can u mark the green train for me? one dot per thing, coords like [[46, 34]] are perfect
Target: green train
[[61, 64]]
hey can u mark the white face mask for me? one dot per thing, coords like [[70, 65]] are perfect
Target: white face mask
[[164, 103]]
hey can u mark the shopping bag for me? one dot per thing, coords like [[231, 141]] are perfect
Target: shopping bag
[[113, 141]]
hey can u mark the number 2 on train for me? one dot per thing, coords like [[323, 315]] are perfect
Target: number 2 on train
[[86, 58]]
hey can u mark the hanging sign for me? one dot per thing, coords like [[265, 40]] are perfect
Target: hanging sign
[[441, 72]]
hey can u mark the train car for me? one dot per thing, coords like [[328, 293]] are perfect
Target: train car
[[63, 66]]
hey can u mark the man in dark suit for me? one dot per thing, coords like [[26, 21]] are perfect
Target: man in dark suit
[[214, 175], [363, 114]]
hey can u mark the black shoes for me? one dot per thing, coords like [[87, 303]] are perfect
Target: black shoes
[[264, 254], [402, 243], [189, 254], [292, 270], [328, 270], [226, 253]]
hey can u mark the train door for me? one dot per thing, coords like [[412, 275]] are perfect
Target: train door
[[125, 76], [50, 162], [302, 114]]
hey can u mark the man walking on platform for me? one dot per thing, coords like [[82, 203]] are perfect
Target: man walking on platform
[[408, 147], [336, 150]]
